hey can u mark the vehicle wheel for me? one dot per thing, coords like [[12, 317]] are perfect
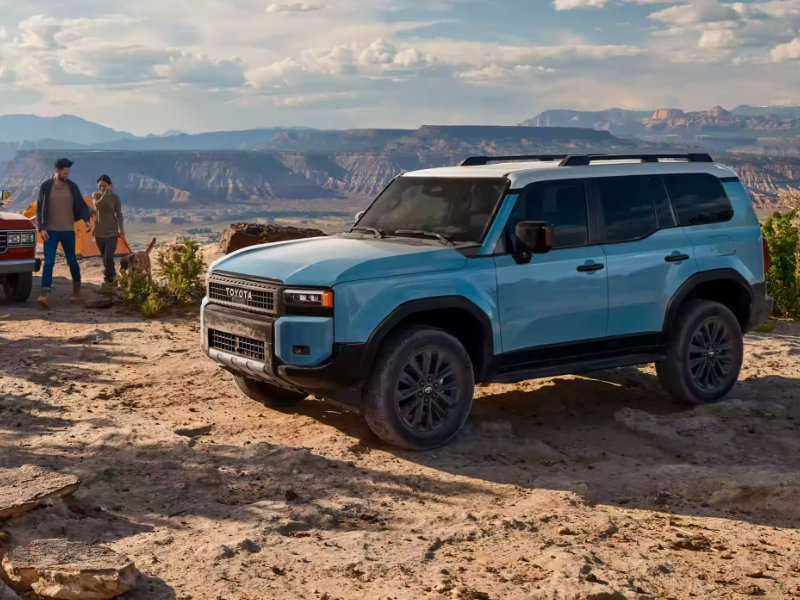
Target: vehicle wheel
[[704, 353], [268, 394], [17, 288], [420, 393]]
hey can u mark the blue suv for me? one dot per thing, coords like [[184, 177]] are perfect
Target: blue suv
[[501, 269]]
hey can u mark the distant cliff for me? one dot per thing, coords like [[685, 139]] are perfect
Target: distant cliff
[[361, 166], [716, 129], [265, 178]]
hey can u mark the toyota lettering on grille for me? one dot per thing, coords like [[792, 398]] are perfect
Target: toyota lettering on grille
[[237, 294]]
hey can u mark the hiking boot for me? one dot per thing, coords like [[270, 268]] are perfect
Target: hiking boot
[[44, 299], [76, 297]]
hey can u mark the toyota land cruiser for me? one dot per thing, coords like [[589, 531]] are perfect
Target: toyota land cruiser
[[500, 269]]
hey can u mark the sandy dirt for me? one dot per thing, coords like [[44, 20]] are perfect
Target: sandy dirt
[[596, 487]]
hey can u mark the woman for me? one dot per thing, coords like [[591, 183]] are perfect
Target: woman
[[109, 225]]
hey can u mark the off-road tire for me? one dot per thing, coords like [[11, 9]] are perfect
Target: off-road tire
[[427, 410], [17, 288], [268, 394], [690, 361]]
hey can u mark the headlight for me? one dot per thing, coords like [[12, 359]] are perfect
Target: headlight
[[310, 298], [28, 238], [14, 239]]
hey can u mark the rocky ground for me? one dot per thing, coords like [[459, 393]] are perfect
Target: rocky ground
[[595, 487]]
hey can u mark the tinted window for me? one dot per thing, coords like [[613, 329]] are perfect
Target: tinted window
[[698, 199], [560, 203], [632, 207], [458, 208]]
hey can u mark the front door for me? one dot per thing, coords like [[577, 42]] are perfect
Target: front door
[[562, 296]]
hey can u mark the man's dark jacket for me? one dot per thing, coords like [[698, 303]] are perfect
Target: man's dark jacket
[[79, 208]]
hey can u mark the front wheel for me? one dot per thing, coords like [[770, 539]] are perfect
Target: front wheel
[[420, 394], [704, 353], [268, 394], [17, 288]]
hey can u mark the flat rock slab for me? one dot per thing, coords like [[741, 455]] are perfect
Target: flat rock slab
[[26, 488], [67, 570]]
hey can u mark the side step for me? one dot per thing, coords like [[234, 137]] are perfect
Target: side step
[[575, 367]]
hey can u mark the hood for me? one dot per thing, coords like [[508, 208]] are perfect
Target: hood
[[326, 261], [9, 220]]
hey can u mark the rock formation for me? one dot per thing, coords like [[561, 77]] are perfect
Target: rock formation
[[69, 570], [241, 235], [26, 488]]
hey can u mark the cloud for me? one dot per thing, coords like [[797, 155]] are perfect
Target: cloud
[[717, 38], [320, 99], [577, 4], [497, 74], [697, 12], [216, 73], [786, 52], [296, 7]]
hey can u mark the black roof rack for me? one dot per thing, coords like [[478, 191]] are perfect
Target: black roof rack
[[581, 160], [473, 161]]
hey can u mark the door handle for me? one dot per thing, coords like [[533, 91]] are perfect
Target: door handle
[[590, 267], [676, 258]]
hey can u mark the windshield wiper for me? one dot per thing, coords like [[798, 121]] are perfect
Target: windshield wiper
[[439, 236], [376, 232]]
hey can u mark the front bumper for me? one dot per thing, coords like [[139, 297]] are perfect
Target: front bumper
[[26, 265], [340, 378]]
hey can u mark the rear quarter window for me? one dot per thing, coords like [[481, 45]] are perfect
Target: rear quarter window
[[698, 199]]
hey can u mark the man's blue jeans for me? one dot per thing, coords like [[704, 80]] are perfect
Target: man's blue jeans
[[67, 241]]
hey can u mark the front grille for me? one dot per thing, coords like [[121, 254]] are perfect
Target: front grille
[[246, 295], [3, 241], [236, 344]]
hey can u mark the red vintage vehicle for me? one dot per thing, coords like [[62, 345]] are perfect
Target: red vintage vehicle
[[18, 260]]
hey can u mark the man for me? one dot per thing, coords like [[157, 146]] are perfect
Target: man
[[59, 206]]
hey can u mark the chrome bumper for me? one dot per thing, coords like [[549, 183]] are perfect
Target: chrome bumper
[[27, 265]]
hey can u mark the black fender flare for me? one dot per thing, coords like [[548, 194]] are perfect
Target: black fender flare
[[422, 305], [697, 279]]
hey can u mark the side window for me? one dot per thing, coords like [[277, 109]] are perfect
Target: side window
[[698, 199], [632, 207], [560, 203]]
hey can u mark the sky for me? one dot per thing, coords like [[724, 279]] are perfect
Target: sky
[[149, 66]]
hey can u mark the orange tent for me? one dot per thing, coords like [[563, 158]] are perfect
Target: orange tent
[[84, 241]]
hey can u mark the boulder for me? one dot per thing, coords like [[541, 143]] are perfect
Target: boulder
[[26, 488], [241, 235], [66, 570]]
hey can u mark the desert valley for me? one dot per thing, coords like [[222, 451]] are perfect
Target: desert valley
[[177, 183], [593, 487]]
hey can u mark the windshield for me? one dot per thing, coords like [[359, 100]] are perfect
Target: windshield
[[456, 209]]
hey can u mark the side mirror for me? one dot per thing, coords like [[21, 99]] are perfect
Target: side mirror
[[358, 216], [537, 236], [5, 196]]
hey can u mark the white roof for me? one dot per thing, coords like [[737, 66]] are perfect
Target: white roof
[[522, 173]]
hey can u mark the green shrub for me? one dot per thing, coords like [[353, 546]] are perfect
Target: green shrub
[[183, 270], [180, 280], [152, 306], [134, 288], [783, 278]]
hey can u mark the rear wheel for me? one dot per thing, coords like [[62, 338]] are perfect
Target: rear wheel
[[704, 353], [17, 288], [268, 394], [420, 394]]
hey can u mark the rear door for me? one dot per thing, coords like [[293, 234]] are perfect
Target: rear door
[[722, 238], [649, 256], [562, 296]]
